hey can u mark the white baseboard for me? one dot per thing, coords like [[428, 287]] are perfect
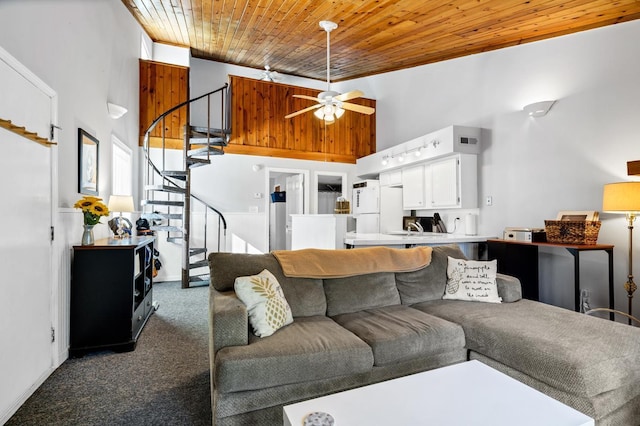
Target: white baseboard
[[11, 410]]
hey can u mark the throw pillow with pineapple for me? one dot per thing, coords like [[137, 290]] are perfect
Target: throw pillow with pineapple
[[267, 307]]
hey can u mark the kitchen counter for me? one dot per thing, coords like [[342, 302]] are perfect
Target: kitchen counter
[[353, 239]]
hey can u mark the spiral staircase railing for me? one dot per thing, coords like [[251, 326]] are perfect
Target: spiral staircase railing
[[168, 202]]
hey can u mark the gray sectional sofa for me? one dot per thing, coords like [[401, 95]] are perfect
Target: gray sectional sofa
[[349, 332]]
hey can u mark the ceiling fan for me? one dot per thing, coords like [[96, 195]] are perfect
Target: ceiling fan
[[331, 105], [268, 75]]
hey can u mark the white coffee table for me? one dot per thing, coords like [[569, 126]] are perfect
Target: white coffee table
[[465, 394]]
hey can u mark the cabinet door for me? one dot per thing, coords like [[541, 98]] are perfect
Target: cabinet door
[[445, 183], [413, 188], [392, 178]]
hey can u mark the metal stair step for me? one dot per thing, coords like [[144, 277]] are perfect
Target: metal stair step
[[165, 188], [212, 131], [212, 142], [175, 216], [162, 203], [167, 228], [176, 174], [197, 162], [177, 240], [196, 251], [198, 264], [212, 150], [199, 280]]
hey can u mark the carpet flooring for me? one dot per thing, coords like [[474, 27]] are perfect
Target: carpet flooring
[[164, 381]]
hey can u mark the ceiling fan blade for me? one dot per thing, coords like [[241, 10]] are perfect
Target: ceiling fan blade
[[302, 111], [358, 108], [349, 95], [311, 98]]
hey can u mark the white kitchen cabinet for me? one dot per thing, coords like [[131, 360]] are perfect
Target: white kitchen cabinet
[[414, 191], [447, 183], [391, 178], [454, 182]]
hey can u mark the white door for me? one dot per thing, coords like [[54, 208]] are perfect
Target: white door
[[25, 246], [295, 201]]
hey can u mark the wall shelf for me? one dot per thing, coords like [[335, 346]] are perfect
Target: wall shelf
[[7, 124]]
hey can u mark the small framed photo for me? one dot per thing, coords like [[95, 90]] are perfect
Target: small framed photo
[[588, 215], [87, 163]]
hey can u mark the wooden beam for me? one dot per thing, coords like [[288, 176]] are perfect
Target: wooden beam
[[633, 168]]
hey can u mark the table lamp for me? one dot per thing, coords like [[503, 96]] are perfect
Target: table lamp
[[624, 197], [121, 204]]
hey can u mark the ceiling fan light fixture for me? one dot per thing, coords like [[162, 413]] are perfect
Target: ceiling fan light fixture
[[331, 104]]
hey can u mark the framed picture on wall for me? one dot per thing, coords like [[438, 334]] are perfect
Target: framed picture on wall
[[87, 163]]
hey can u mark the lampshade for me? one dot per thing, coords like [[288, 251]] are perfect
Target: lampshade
[[121, 203], [621, 197]]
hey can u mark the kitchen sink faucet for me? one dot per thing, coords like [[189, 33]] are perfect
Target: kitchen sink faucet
[[416, 225]]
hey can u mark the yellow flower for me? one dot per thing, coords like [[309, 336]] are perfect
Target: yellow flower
[[92, 209], [99, 209]]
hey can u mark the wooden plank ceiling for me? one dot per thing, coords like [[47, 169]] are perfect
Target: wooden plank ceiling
[[372, 36]]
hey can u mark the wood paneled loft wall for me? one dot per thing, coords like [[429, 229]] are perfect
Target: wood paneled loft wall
[[163, 86], [259, 127]]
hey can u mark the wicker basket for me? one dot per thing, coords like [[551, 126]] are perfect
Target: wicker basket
[[572, 231], [342, 207]]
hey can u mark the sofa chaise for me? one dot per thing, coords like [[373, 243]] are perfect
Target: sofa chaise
[[348, 331]]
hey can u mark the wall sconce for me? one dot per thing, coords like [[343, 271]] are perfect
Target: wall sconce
[[116, 111], [257, 167], [538, 109]]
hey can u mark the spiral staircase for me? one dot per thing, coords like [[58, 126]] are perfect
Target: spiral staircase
[[168, 203]]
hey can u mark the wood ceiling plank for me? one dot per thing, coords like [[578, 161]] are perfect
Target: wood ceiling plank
[[372, 37]]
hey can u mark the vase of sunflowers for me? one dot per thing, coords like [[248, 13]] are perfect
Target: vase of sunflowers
[[92, 210]]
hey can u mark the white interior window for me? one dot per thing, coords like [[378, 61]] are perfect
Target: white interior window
[[122, 172]]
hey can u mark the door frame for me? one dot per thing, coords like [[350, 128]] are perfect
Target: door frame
[[267, 199], [314, 188]]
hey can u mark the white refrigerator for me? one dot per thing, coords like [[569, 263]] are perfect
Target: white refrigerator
[[365, 202]]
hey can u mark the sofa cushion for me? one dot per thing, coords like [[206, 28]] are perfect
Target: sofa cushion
[[305, 295], [311, 348], [576, 353], [361, 292], [427, 283], [472, 280], [399, 333], [267, 307]]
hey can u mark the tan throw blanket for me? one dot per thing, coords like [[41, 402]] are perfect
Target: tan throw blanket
[[319, 263]]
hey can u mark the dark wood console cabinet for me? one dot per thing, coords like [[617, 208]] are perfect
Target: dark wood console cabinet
[[111, 294]]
